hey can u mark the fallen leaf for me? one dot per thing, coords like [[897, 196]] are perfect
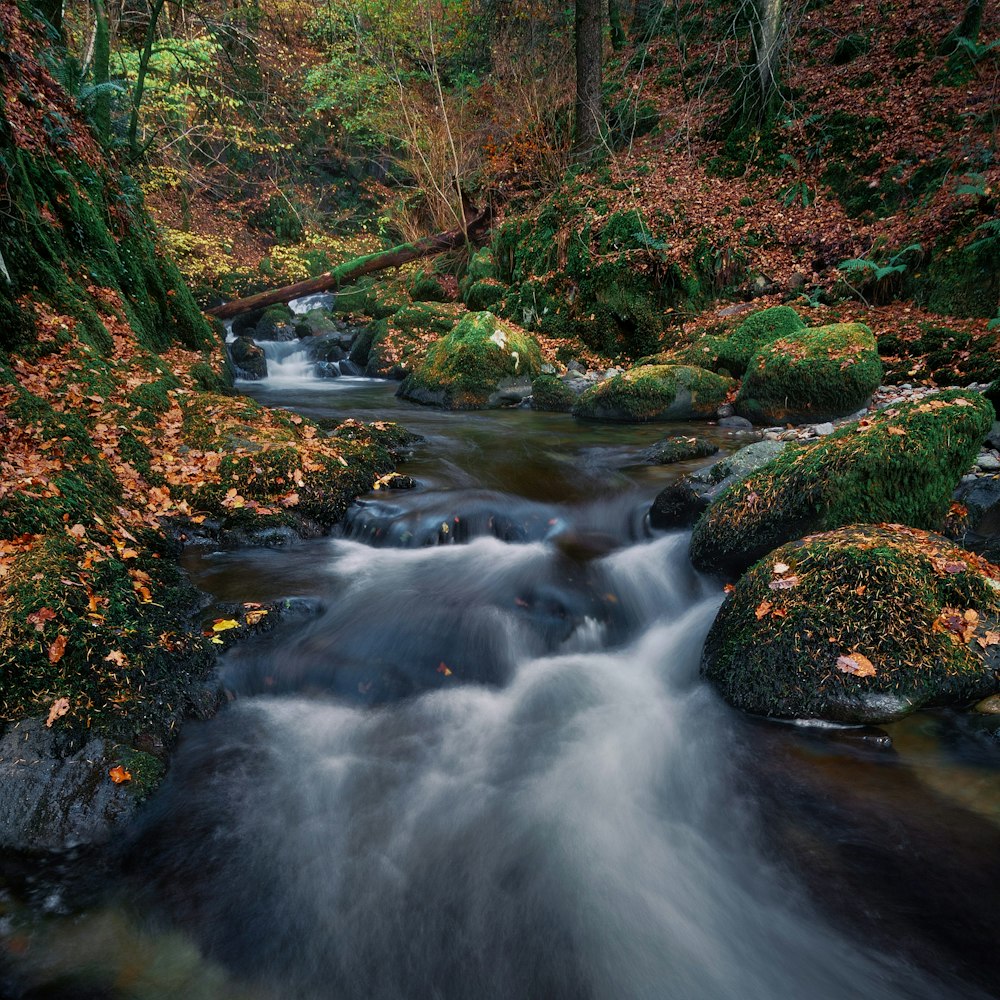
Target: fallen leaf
[[856, 664], [443, 669], [728, 588], [57, 649], [221, 624], [784, 583], [119, 775], [57, 710], [40, 617], [763, 608], [781, 568], [897, 431], [117, 657], [78, 530], [255, 616], [991, 638]]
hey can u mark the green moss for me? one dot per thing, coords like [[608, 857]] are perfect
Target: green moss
[[756, 330], [678, 449], [655, 392], [705, 352], [481, 296], [426, 286], [962, 281], [819, 373], [463, 369], [376, 298], [875, 591], [900, 465], [550, 393]]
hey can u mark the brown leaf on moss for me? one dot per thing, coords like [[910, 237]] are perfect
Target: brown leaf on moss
[[57, 649], [856, 664], [119, 775]]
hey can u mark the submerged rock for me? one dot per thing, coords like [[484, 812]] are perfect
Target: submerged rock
[[900, 465], [863, 624], [655, 393], [678, 449]]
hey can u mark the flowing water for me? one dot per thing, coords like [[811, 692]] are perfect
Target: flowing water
[[484, 766]]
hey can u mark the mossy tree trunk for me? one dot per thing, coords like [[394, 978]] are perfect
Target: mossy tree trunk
[[968, 27], [102, 72], [589, 42], [357, 268]]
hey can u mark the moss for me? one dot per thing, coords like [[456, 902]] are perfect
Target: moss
[[849, 48], [962, 281], [881, 592], [550, 393], [819, 373], [147, 686], [481, 265], [463, 369], [426, 286], [900, 465], [376, 298], [655, 392], [705, 352], [481, 296], [756, 330]]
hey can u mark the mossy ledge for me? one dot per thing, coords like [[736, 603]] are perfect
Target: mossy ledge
[[900, 465], [863, 624]]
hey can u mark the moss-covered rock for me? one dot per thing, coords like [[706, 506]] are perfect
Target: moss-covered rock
[[484, 295], [397, 344], [548, 392], [466, 369], [815, 374], [377, 298], [426, 286], [901, 465], [861, 624], [655, 392], [705, 352], [756, 330]]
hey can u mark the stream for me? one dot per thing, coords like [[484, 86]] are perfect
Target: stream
[[483, 765]]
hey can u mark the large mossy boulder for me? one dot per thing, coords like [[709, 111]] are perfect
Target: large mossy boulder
[[901, 465], [653, 393], [469, 368], [863, 624], [815, 374], [550, 393], [754, 332]]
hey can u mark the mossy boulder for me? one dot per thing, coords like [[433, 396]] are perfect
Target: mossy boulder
[[901, 465], [863, 624], [377, 298], [316, 323], [653, 393], [484, 295], [469, 368], [548, 392], [705, 352], [754, 332], [814, 374], [276, 323], [393, 346]]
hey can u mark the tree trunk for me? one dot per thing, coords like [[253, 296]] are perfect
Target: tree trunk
[[356, 268], [140, 80], [971, 22], [102, 72], [767, 48], [615, 20], [589, 45]]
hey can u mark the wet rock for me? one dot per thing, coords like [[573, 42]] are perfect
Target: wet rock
[[277, 323], [678, 449], [736, 423], [327, 369], [56, 792], [682, 502], [348, 367], [248, 359], [988, 706], [554, 394], [993, 437], [988, 462], [823, 628], [980, 530]]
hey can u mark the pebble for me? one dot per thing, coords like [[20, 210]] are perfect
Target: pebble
[[989, 462]]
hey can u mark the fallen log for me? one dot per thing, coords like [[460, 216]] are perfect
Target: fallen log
[[360, 266]]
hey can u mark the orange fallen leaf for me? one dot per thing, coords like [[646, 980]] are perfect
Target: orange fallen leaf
[[57, 649], [443, 669], [856, 664], [119, 775], [728, 588], [57, 710], [255, 616], [763, 609]]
